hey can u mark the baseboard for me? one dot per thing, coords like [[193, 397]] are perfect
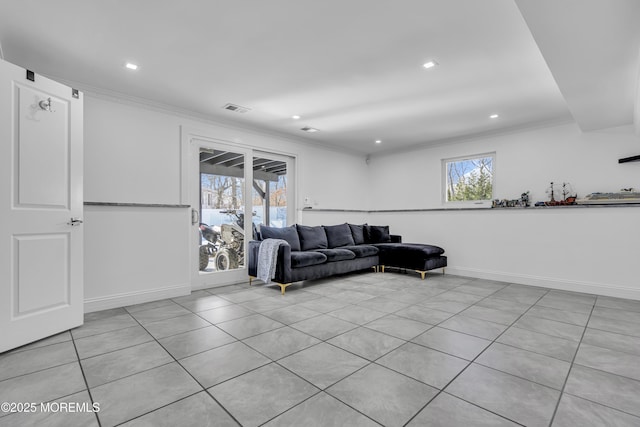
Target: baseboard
[[138, 297], [609, 290], [219, 283]]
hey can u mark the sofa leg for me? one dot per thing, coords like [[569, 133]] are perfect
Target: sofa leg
[[250, 280], [443, 271], [422, 273], [375, 268], [283, 287], [382, 268]]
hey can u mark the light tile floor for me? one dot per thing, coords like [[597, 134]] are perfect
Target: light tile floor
[[357, 350]]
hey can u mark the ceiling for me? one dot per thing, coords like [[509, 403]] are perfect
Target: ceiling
[[351, 69]]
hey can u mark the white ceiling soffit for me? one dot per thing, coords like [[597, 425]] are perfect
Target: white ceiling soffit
[[352, 69], [591, 47]]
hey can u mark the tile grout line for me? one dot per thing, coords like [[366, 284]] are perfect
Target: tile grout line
[[372, 362], [309, 382], [84, 377], [440, 391], [469, 361], [325, 341], [185, 370], [595, 369], [274, 361], [42, 369], [364, 325], [331, 385], [198, 382], [20, 349], [320, 391], [564, 385], [163, 406], [369, 363]]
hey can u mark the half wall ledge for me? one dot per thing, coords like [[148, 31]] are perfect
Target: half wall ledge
[[531, 208], [137, 205]]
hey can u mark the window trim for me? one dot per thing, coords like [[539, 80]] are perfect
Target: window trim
[[467, 203]]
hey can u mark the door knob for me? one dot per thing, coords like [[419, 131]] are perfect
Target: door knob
[[75, 221]]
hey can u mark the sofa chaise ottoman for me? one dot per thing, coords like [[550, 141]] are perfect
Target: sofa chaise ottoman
[[411, 256]]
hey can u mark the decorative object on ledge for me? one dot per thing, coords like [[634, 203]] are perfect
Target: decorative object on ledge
[[625, 195], [629, 159], [568, 196], [522, 202], [539, 205]]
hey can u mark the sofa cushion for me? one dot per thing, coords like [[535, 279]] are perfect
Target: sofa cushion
[[410, 249], [305, 259], [357, 231], [338, 235], [338, 254], [286, 233], [312, 237], [362, 251], [377, 234]]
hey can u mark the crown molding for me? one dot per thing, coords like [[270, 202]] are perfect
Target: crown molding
[[133, 101]]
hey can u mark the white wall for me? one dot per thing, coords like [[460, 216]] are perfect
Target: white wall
[[134, 255], [636, 106], [584, 249], [132, 155], [137, 254]]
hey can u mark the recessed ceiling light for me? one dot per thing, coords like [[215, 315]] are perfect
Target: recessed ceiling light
[[296, 117], [430, 64], [378, 141], [131, 66], [309, 129], [493, 116]]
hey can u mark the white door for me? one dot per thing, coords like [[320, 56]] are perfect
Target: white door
[[220, 196], [41, 285]]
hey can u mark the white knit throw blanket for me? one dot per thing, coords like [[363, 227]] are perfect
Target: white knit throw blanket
[[267, 258]]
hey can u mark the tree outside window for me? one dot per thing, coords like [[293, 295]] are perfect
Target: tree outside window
[[221, 191], [469, 178]]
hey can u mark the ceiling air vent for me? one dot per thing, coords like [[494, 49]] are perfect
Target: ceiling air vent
[[236, 108], [309, 129]]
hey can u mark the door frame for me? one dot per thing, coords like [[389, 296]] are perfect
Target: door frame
[[190, 166]]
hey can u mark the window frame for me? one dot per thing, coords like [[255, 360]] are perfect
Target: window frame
[[468, 203]]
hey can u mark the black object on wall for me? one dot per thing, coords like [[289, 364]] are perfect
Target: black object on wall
[[629, 159]]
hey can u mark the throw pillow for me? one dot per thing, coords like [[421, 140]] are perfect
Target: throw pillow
[[378, 234], [339, 235], [312, 237], [286, 233], [357, 231]]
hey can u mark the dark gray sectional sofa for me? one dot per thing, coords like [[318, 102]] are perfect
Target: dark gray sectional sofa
[[323, 251]]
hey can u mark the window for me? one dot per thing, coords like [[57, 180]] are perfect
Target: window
[[468, 179]]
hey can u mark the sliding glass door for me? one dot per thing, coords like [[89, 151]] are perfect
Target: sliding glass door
[[232, 191], [272, 190], [221, 200]]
